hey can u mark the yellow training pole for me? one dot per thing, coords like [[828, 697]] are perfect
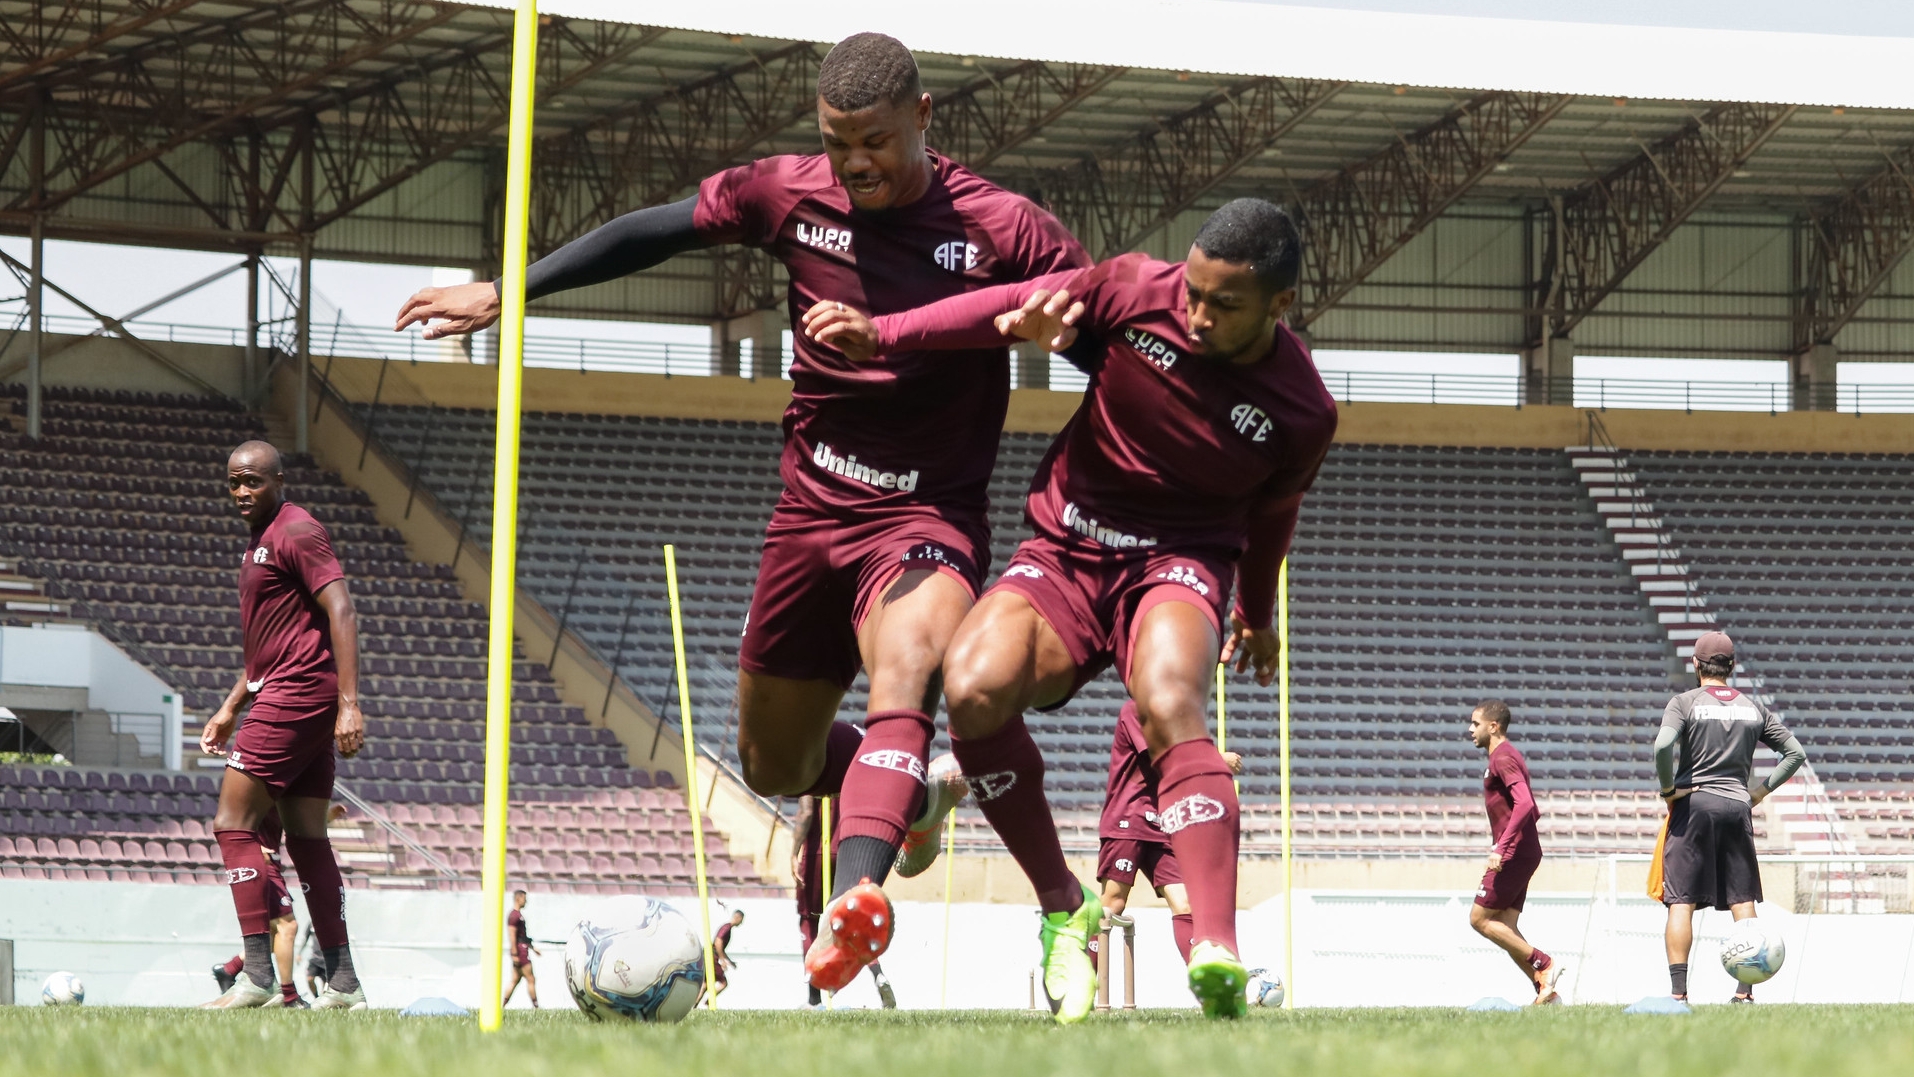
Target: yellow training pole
[[504, 592], [824, 851], [950, 873], [691, 771], [1282, 740], [1222, 717]]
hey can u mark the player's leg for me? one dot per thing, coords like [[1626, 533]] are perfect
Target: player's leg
[[1115, 897], [1499, 926], [512, 988], [1005, 658], [1172, 662], [1182, 924], [1680, 939], [244, 800], [285, 938], [531, 983], [311, 851], [902, 641], [787, 743]]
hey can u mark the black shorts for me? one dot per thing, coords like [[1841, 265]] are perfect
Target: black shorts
[[1710, 856]]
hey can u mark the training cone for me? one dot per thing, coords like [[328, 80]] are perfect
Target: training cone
[[1664, 1005], [1492, 1004], [434, 1006]]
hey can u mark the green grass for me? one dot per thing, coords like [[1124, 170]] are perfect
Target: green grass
[[1760, 1041]]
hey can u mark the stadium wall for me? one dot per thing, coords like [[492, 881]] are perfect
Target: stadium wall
[[151, 945], [109, 362], [460, 385]]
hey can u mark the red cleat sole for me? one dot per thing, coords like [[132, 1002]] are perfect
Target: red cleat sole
[[861, 923]]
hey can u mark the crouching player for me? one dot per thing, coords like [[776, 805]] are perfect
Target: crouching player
[[302, 678], [1129, 840], [1185, 465], [1517, 851]]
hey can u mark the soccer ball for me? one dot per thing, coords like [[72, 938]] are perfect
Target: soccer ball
[[62, 989], [1265, 988], [640, 961], [1751, 953]]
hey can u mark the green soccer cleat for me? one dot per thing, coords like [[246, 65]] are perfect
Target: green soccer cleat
[[1218, 980], [1069, 974]]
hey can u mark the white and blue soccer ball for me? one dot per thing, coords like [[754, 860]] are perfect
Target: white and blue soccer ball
[[1752, 953], [638, 961], [62, 989], [1265, 988]]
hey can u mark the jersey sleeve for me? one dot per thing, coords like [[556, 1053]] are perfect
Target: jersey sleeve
[[309, 555], [1041, 245], [1773, 733], [739, 205]]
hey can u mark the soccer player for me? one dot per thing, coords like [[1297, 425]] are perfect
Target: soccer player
[[1129, 839], [1704, 756], [1517, 851], [302, 679], [1185, 465], [284, 926], [522, 951], [721, 951], [808, 869], [878, 545]]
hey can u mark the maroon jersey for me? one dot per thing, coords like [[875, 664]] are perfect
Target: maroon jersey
[[916, 429], [1168, 448], [288, 639], [1129, 800], [515, 923], [1511, 803]]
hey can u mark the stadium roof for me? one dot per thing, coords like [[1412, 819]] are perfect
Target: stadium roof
[[374, 129]]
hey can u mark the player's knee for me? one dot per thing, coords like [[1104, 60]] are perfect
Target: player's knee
[[772, 774], [1170, 716], [979, 704]]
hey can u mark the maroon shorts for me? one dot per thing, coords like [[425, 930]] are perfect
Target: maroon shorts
[[278, 898], [1095, 602], [820, 576], [1509, 887], [1121, 858], [521, 955], [288, 747]]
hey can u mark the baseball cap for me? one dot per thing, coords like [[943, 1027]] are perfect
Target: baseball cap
[[1714, 645]]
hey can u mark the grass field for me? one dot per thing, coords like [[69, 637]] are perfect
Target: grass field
[[1761, 1041]]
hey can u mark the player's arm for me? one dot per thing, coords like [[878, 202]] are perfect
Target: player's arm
[[1234, 761], [219, 728], [1523, 813], [342, 621], [1043, 309], [1667, 748], [1776, 736], [636, 241]]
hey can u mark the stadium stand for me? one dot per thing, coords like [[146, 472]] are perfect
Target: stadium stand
[[137, 476], [1808, 563], [1424, 580]]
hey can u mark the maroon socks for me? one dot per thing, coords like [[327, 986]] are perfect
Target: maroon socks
[[1005, 771], [326, 904], [1196, 802], [1540, 961], [233, 965], [1183, 926], [884, 787], [840, 748], [246, 874]]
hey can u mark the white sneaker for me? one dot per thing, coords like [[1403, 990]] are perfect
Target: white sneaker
[[944, 789], [1547, 995], [244, 994], [329, 999]]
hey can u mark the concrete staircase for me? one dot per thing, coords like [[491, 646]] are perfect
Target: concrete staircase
[[23, 598]]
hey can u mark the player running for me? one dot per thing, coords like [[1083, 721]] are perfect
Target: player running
[[1704, 755], [1204, 424], [1129, 839], [878, 545], [1517, 851], [807, 868], [522, 951], [302, 679]]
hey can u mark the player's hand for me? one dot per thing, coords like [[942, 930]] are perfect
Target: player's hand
[[460, 309], [1760, 794], [849, 331], [1494, 862], [1050, 320], [1676, 795], [217, 731], [1252, 647], [350, 729], [1234, 761]]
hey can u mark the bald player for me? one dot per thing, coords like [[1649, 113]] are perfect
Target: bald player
[[1704, 758], [302, 680], [879, 542], [1181, 473], [1516, 852]]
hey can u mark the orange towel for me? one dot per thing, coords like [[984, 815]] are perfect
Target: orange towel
[[1654, 866]]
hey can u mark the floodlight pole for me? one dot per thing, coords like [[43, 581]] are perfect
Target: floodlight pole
[[1282, 750], [36, 293], [511, 361]]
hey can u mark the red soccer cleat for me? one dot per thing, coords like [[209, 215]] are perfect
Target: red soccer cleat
[[854, 931]]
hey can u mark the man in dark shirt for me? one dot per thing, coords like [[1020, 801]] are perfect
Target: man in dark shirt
[[1183, 469], [1516, 853], [721, 952], [1704, 757], [522, 951], [302, 679], [1128, 837], [879, 543]]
